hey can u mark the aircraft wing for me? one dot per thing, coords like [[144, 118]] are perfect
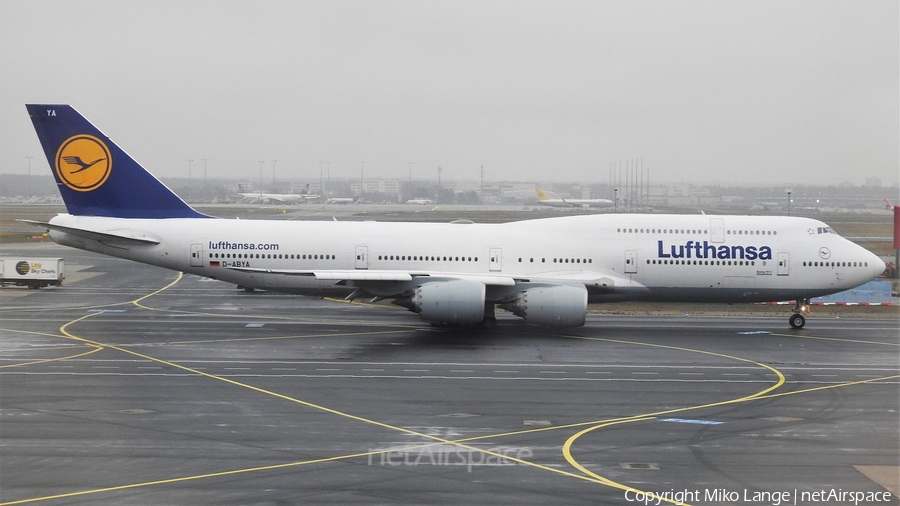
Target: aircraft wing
[[602, 280], [122, 236], [381, 275]]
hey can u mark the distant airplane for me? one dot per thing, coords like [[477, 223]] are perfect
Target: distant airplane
[[420, 202], [547, 201], [307, 195], [545, 271], [341, 200], [280, 198]]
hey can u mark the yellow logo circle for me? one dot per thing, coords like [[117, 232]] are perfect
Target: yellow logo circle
[[83, 163]]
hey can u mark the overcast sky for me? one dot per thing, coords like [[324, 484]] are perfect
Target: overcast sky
[[781, 92]]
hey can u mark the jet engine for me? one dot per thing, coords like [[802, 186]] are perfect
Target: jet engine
[[453, 301], [551, 306]]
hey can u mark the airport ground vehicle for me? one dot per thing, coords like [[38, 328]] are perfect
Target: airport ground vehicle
[[32, 272]]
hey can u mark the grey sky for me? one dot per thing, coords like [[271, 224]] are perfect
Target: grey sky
[[785, 92]]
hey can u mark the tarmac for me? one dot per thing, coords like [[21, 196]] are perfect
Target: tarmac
[[137, 385]]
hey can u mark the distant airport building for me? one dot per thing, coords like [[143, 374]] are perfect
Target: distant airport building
[[584, 191], [389, 187], [685, 190], [681, 194]]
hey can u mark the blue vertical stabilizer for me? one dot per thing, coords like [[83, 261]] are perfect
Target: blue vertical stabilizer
[[94, 175]]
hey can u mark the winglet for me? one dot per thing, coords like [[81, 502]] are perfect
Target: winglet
[[94, 175]]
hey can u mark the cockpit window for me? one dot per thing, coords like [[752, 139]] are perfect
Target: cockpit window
[[825, 230]]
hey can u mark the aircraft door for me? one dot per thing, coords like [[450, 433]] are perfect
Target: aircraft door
[[630, 262], [717, 230], [362, 257], [784, 263], [196, 255], [495, 256]]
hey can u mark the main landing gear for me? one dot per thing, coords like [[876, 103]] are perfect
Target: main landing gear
[[797, 320], [489, 323]]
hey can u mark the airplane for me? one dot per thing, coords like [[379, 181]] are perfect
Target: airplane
[[547, 201], [420, 202], [307, 195], [545, 271], [341, 200], [280, 198]]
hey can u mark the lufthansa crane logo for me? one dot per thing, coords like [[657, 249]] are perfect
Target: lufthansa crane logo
[[825, 253], [83, 163]]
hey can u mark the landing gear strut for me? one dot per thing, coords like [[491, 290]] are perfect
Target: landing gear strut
[[490, 321], [797, 320]]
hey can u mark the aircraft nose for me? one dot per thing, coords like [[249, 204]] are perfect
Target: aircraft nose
[[877, 265]]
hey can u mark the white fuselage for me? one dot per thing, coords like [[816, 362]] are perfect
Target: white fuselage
[[615, 256]]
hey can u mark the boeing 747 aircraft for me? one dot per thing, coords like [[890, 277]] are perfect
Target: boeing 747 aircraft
[[546, 271]]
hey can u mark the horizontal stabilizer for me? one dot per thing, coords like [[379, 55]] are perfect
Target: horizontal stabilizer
[[108, 236]]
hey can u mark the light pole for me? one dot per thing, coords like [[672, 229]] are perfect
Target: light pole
[[482, 184], [260, 176], [362, 180], [205, 192], [789, 201], [616, 202], [28, 182]]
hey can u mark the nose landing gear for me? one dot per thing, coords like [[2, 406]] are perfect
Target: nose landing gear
[[798, 320]]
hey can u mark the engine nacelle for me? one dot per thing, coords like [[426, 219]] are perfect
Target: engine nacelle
[[453, 301], [551, 306]]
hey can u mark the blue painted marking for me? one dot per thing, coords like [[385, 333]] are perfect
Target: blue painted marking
[[683, 420], [254, 325], [754, 332]]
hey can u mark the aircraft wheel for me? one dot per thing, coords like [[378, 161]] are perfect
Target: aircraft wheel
[[489, 323], [797, 321]]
